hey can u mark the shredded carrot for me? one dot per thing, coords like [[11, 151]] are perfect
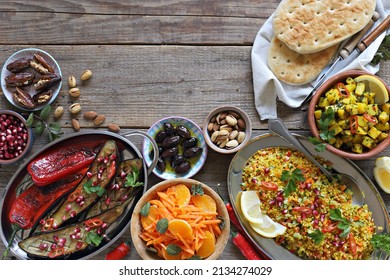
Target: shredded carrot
[[195, 223]]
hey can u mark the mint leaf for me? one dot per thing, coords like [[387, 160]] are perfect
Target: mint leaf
[[197, 190], [162, 225], [30, 120], [132, 179], [145, 209], [173, 249], [45, 113]]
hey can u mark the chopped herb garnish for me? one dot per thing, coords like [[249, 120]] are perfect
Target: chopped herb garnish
[[93, 238], [292, 178], [383, 52], [317, 236], [196, 190], [89, 188], [381, 242]]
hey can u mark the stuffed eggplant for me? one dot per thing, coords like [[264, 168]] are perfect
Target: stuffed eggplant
[[98, 177]]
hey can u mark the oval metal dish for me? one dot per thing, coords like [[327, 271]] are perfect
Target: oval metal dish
[[128, 151], [274, 251]]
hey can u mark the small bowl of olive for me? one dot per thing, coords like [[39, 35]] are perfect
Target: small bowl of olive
[[182, 148]]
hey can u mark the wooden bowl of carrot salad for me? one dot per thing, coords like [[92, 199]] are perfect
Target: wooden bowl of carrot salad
[[180, 219]]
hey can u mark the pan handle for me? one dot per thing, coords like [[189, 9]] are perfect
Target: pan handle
[[154, 144]]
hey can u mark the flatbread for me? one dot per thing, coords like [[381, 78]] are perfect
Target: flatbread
[[295, 68], [309, 26]]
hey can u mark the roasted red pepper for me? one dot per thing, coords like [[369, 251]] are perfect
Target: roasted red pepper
[[34, 201], [56, 165]]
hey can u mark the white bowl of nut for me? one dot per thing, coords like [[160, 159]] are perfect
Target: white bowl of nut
[[31, 79], [227, 129]]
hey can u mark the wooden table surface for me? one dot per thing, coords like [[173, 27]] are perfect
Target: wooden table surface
[[151, 59]]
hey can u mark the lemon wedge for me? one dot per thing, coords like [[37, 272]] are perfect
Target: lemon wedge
[[382, 173], [268, 228], [374, 85], [250, 206]]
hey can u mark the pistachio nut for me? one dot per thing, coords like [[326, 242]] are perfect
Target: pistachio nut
[[74, 92], [58, 112], [75, 108], [241, 136], [231, 120], [232, 144], [72, 82], [86, 75]]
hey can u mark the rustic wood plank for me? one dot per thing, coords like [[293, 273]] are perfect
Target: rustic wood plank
[[232, 8]]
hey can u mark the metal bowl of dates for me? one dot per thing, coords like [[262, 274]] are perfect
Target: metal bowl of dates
[[182, 148], [30, 79], [84, 211]]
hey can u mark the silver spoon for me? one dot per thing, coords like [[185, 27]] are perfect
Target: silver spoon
[[277, 127]]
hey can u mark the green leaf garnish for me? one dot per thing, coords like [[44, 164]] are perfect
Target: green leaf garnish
[[323, 126], [343, 223], [132, 179], [292, 178], [317, 236], [162, 225], [93, 238], [173, 249], [30, 120], [319, 146], [197, 190], [145, 209], [89, 188], [45, 113], [383, 52]]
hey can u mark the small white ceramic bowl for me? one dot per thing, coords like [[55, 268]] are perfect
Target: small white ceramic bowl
[[29, 53], [196, 163], [208, 131]]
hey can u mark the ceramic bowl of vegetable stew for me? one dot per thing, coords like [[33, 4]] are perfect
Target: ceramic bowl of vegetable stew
[[180, 219], [82, 205], [345, 117]]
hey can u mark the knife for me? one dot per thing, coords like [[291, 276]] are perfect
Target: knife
[[351, 49]]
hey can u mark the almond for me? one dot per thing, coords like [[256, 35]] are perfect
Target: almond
[[99, 119], [90, 115], [75, 125], [113, 127]]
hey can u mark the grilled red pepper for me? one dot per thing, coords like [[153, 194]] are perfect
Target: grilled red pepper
[[34, 201], [55, 165]]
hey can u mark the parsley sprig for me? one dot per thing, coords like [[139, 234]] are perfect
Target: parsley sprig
[[317, 236], [381, 242], [132, 179], [383, 52], [343, 223], [292, 177], [89, 188], [325, 134]]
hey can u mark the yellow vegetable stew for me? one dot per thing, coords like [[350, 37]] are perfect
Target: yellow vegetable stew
[[348, 117]]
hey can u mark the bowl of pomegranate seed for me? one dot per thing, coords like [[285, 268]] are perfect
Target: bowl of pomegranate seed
[[15, 137]]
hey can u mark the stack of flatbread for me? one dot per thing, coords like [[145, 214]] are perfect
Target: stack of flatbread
[[308, 33]]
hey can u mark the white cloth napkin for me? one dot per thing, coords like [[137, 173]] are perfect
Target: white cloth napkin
[[267, 88]]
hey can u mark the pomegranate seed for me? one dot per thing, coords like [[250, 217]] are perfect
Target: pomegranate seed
[[104, 225], [62, 240], [55, 238], [68, 207], [60, 245], [284, 211], [55, 225], [79, 245], [64, 217], [123, 174], [87, 229], [73, 214], [124, 197], [99, 159], [77, 230], [254, 180], [78, 235], [43, 246], [42, 222], [72, 236], [105, 160], [89, 174], [113, 157], [107, 202], [53, 246], [267, 170], [81, 203]]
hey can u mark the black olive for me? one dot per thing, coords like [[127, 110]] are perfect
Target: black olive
[[169, 129], [177, 160], [161, 165], [190, 142], [192, 152], [182, 131], [160, 136], [171, 141], [168, 153], [183, 167]]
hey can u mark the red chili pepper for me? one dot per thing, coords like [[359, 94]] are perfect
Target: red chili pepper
[[119, 252], [55, 165], [352, 244], [233, 217], [331, 227], [31, 204], [93, 223], [353, 124], [244, 246], [370, 118], [56, 252], [343, 91]]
